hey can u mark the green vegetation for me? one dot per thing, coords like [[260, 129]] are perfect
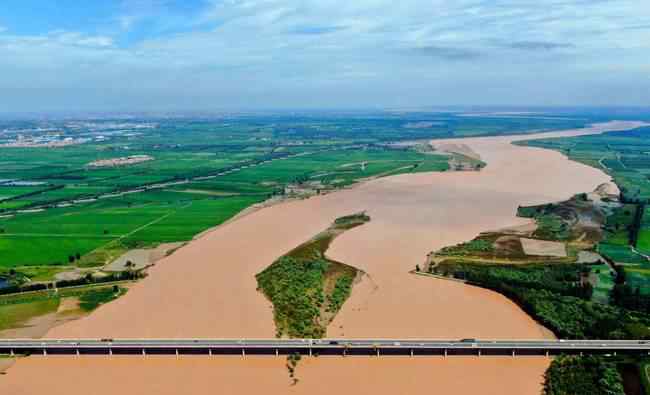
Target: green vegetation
[[470, 248], [295, 287], [605, 277], [306, 288], [617, 241], [13, 315], [564, 279], [644, 375], [89, 301], [570, 375], [342, 290]]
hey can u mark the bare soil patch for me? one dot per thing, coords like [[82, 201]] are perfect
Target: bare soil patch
[[543, 247]]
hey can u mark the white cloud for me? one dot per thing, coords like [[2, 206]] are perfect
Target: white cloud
[[336, 52], [78, 39]]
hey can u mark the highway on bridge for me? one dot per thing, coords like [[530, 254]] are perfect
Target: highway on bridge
[[375, 347]]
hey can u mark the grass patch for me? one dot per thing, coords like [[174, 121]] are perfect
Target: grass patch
[[18, 314], [89, 301], [306, 288], [621, 253]]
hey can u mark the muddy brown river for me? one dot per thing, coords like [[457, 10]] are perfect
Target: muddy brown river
[[208, 289]]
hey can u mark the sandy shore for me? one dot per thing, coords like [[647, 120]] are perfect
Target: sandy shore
[[208, 289]]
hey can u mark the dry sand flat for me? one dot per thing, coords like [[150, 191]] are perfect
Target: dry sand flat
[[208, 289]]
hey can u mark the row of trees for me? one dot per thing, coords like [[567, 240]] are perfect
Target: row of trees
[[85, 280]]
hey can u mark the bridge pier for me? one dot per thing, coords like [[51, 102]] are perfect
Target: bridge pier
[[77, 352], [411, 352], [177, 353], [546, 353], [479, 352], [209, 351], [445, 353], [110, 351], [144, 354], [277, 352], [44, 352], [243, 352], [513, 353], [310, 353], [11, 353], [377, 350]]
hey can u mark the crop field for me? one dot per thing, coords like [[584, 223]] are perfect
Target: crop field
[[50, 237], [59, 212], [643, 240], [604, 282]]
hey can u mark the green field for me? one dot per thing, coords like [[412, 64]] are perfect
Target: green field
[[643, 241]]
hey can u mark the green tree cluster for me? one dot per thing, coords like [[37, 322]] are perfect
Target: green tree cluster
[[569, 375]]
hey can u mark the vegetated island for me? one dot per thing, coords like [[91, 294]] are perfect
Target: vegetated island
[[306, 287], [554, 272]]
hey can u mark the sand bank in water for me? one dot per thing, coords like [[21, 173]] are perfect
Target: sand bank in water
[[208, 289]]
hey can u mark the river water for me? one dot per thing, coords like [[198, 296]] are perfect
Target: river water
[[208, 289]]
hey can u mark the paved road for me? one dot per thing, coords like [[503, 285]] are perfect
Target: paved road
[[323, 346]]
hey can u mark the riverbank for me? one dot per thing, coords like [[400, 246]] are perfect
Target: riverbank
[[208, 288]]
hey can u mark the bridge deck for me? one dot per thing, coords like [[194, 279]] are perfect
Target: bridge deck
[[413, 347]]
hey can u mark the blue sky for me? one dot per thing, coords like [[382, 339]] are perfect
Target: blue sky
[[142, 55]]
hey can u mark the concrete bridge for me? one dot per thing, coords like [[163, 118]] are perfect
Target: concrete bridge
[[340, 347]]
